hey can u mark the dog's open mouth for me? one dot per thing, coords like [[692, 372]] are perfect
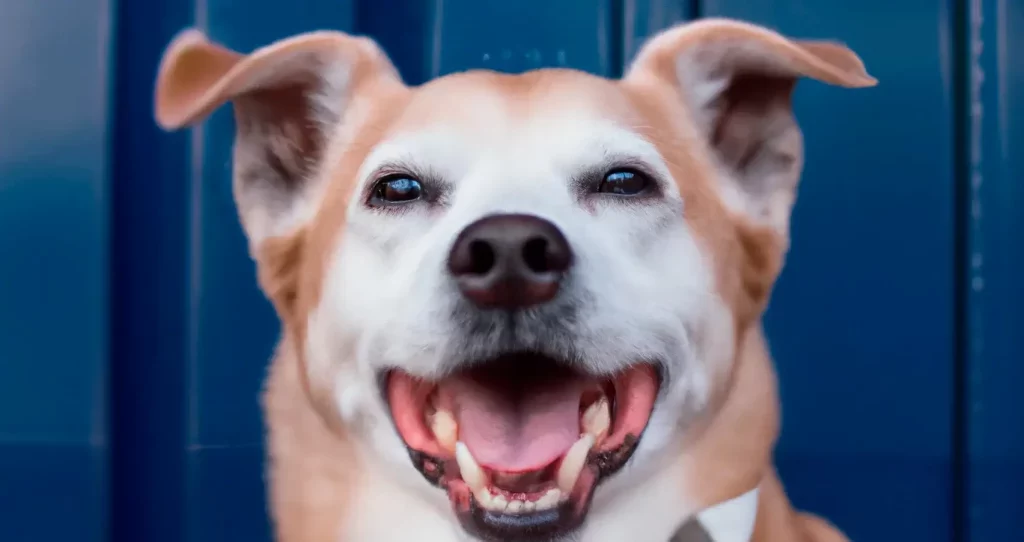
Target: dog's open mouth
[[521, 442]]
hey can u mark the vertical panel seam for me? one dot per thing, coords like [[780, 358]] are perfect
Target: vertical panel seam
[[193, 276], [197, 139], [973, 368], [969, 281], [111, 472], [617, 37], [694, 8], [436, 40]]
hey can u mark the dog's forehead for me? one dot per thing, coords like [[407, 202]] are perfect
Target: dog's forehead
[[470, 96], [486, 113]]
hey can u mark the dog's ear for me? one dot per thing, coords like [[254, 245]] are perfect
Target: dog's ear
[[288, 97], [736, 82]]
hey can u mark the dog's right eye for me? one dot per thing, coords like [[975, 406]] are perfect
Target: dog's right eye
[[624, 182], [396, 189]]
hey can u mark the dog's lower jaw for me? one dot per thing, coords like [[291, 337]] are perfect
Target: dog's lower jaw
[[385, 509]]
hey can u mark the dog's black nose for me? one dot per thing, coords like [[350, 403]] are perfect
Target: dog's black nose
[[510, 261]]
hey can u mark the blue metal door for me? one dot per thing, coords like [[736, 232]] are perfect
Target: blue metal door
[[55, 208], [129, 393]]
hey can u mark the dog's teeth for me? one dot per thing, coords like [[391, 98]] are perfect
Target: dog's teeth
[[528, 506], [514, 507], [472, 474], [498, 503], [484, 497], [445, 428], [549, 500], [573, 462], [597, 418]]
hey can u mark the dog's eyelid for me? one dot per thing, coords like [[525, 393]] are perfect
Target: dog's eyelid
[[393, 168]]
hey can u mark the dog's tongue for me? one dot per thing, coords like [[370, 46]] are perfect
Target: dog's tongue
[[517, 432]]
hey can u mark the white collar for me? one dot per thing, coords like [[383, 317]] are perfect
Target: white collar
[[733, 520]]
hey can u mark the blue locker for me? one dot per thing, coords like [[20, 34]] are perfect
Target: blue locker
[[641, 19], [151, 301], [862, 322], [54, 205], [490, 35], [992, 204], [895, 324]]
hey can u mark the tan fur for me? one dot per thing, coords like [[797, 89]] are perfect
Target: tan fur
[[314, 469]]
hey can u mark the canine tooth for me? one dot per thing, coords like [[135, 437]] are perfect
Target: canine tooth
[[445, 428], [549, 500], [472, 474], [572, 463], [483, 498], [498, 503], [597, 418], [514, 506]]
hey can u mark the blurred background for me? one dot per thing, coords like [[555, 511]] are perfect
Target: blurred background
[[133, 339]]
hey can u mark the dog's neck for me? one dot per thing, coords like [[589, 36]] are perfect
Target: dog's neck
[[731, 453], [731, 457], [324, 489]]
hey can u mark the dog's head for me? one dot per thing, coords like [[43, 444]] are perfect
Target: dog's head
[[511, 286]]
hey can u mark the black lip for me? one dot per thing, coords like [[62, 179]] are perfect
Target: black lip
[[541, 526], [544, 526], [610, 462], [430, 467]]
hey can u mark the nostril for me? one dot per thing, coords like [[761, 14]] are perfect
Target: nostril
[[535, 255], [481, 257]]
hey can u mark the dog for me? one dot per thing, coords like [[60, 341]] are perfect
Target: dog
[[518, 307]]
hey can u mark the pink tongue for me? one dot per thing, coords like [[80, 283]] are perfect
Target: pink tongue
[[517, 434]]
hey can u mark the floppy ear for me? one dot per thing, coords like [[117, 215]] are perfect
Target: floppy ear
[[736, 81], [288, 99]]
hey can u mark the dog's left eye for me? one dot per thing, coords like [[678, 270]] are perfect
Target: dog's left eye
[[624, 182], [396, 189]]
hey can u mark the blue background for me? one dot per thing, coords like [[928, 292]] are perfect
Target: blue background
[[129, 397]]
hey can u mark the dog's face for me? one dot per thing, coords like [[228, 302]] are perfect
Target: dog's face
[[518, 280], [507, 288]]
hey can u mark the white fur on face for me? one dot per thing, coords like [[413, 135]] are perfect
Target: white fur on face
[[641, 288]]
